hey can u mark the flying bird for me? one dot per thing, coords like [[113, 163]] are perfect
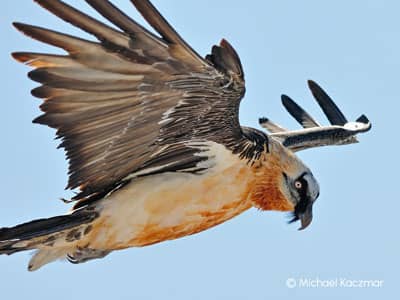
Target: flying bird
[[152, 136]]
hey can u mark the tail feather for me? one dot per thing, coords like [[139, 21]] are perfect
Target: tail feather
[[45, 256], [42, 232]]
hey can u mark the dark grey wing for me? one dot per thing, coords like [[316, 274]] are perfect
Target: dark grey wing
[[315, 135], [298, 140], [297, 112], [132, 102], [332, 112], [270, 125]]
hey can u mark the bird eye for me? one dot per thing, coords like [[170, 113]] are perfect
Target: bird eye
[[298, 185]]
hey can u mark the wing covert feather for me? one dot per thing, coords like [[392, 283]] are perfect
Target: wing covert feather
[[132, 102]]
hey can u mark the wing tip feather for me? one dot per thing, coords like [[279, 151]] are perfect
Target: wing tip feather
[[22, 57], [263, 120], [286, 100], [22, 27], [312, 84]]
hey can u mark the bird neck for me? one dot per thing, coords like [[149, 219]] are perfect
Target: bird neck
[[266, 192]]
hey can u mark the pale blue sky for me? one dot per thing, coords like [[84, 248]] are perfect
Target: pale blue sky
[[350, 47]]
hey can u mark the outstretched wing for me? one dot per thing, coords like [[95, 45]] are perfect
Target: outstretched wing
[[313, 135], [133, 102], [301, 116]]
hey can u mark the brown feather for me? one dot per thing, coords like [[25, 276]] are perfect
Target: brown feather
[[84, 22], [132, 102], [54, 38], [180, 49], [118, 18]]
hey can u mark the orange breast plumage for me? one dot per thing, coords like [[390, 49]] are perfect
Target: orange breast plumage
[[171, 205]]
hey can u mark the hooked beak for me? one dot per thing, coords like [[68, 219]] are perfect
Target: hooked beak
[[306, 216]]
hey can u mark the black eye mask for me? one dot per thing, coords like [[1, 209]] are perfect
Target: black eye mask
[[301, 207]]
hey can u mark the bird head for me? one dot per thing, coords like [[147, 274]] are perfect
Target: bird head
[[284, 183]]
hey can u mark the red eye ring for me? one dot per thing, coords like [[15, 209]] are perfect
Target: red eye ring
[[298, 185]]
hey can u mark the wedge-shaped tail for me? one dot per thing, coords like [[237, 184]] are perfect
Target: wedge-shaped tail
[[340, 132], [54, 237]]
